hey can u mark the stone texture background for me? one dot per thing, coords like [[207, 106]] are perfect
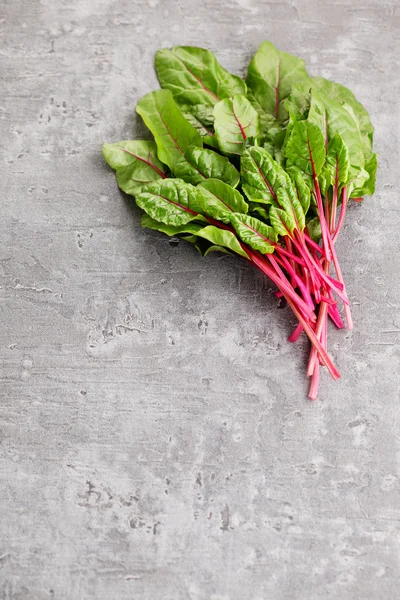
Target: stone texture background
[[155, 438]]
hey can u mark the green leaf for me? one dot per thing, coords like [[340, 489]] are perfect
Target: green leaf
[[170, 201], [261, 175], [195, 241], [341, 94], [194, 76], [268, 146], [201, 245], [221, 237], [217, 237], [368, 188], [298, 102], [263, 180], [355, 187], [298, 107], [171, 230], [200, 164], [197, 115], [202, 112], [332, 117], [360, 154], [371, 166], [253, 232], [318, 114], [128, 152], [136, 164], [192, 239], [172, 132], [314, 229], [342, 120], [220, 200], [281, 221], [235, 120], [271, 76], [259, 211], [337, 161], [306, 103], [132, 180], [269, 127], [305, 148], [288, 201], [279, 156], [302, 190], [216, 249], [324, 180]]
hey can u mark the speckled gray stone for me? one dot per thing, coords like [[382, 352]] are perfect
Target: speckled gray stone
[[155, 438]]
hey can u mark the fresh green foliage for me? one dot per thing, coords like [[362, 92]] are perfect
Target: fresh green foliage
[[172, 132], [219, 238], [254, 232], [235, 120], [281, 221], [220, 200], [179, 144], [136, 164], [271, 129], [261, 175], [314, 228], [265, 181], [192, 228], [198, 164], [171, 201], [288, 210], [337, 161], [304, 147], [332, 117], [259, 211], [195, 77], [271, 76], [301, 188], [201, 116], [341, 94], [368, 187], [198, 82]]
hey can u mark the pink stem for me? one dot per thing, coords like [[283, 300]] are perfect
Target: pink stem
[[281, 282], [318, 331], [329, 301], [315, 267], [342, 214], [261, 264], [279, 249], [303, 251], [296, 333], [305, 293], [324, 226], [335, 316], [324, 335], [313, 244], [292, 263], [333, 208], [347, 311], [313, 393], [315, 342]]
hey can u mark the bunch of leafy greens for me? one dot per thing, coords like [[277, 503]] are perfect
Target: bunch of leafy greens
[[262, 168]]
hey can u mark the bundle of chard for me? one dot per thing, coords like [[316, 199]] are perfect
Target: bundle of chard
[[262, 168]]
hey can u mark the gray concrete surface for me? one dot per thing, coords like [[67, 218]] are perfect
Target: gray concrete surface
[[155, 438]]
